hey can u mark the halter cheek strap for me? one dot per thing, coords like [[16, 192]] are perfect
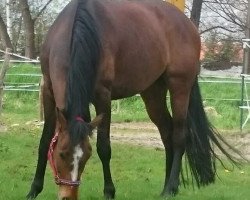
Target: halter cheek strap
[[50, 153], [58, 180]]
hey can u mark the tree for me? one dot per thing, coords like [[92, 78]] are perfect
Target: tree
[[29, 29], [39, 13], [4, 35], [196, 12], [29, 24], [227, 15]]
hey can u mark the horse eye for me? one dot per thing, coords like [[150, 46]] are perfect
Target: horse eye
[[62, 156]]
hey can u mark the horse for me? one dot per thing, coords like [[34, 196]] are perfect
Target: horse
[[101, 50]]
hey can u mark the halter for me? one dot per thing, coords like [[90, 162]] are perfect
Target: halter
[[58, 180]]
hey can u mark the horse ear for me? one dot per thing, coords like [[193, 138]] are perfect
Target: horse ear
[[96, 121], [61, 118]]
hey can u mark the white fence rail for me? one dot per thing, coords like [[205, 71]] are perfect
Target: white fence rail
[[25, 59], [27, 87]]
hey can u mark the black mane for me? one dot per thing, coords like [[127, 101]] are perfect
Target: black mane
[[84, 59]]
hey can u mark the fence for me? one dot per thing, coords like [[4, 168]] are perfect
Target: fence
[[19, 86], [12, 86], [35, 87]]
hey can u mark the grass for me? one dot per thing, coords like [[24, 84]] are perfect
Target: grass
[[138, 173], [225, 109], [23, 69]]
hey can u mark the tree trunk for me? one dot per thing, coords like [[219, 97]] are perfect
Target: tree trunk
[[196, 12], [29, 29], [2, 75], [4, 35]]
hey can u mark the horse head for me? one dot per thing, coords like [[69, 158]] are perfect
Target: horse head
[[68, 157]]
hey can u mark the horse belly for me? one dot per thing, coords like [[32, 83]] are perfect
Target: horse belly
[[134, 80]]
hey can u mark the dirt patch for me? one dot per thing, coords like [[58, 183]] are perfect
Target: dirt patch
[[146, 134]]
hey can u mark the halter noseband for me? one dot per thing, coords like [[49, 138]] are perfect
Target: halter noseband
[[58, 180]]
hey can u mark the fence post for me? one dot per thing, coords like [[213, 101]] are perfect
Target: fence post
[[2, 75], [242, 100], [41, 99]]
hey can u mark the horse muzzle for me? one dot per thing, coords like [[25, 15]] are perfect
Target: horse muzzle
[[67, 192]]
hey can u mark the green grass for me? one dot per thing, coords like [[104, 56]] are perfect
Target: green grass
[[23, 69], [138, 173], [228, 112]]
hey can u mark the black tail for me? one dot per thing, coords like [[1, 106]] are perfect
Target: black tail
[[200, 139], [84, 59]]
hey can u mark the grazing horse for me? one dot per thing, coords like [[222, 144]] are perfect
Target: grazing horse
[[100, 50]]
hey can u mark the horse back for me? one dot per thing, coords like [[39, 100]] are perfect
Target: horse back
[[144, 40], [141, 41]]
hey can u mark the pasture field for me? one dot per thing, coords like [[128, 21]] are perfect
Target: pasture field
[[138, 172]]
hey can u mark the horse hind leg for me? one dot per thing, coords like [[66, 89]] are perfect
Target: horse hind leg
[[155, 102], [179, 95], [47, 134]]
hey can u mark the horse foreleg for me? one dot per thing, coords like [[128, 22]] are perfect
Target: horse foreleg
[[103, 106], [47, 134]]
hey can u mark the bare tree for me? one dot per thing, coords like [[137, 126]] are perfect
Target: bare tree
[[29, 24], [227, 15], [4, 34], [196, 12]]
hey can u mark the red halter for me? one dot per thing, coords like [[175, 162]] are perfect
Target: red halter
[[79, 119], [58, 180]]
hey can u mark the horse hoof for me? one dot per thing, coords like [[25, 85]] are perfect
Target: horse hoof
[[34, 191], [169, 193], [109, 193], [31, 195], [108, 196]]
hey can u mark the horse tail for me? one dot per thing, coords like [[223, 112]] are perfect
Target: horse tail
[[85, 52], [200, 139]]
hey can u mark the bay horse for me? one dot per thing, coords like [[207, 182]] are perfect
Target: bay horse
[[100, 50]]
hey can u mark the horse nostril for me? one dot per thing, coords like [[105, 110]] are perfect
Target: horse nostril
[[65, 198]]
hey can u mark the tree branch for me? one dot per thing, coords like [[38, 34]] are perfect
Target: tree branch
[[4, 34], [217, 27], [42, 10]]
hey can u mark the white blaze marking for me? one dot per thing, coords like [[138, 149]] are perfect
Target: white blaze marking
[[76, 158]]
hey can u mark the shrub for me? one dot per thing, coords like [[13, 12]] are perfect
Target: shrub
[[218, 53]]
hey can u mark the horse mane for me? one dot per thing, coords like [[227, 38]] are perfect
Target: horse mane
[[84, 59]]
